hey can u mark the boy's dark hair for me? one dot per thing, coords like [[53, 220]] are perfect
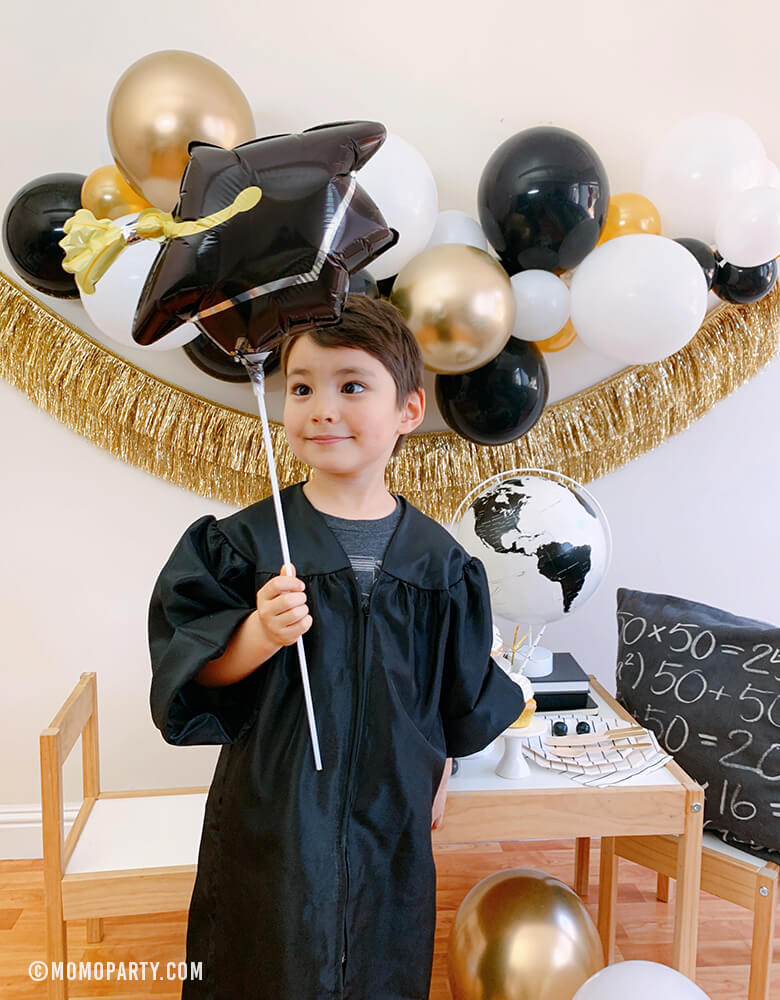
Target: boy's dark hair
[[378, 328]]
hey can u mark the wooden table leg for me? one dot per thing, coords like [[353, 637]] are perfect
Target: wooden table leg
[[608, 897], [686, 904], [582, 867]]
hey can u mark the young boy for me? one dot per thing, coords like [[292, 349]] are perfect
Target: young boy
[[321, 884]]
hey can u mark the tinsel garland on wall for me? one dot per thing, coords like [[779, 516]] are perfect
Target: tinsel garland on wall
[[217, 451]]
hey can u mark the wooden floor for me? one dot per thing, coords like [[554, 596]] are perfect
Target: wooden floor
[[644, 925]]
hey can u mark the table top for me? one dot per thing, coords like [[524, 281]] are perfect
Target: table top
[[478, 772], [481, 806]]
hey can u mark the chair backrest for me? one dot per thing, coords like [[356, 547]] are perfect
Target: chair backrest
[[77, 717]]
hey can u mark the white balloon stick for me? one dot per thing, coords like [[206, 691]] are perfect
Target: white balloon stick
[[254, 366]]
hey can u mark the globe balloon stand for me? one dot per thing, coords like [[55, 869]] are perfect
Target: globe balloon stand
[[513, 764]]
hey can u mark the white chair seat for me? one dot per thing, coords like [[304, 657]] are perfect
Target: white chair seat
[[140, 831], [716, 844]]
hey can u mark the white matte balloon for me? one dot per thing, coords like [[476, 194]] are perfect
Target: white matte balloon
[[748, 230], [638, 298], [771, 175], [453, 226], [639, 980], [542, 301], [112, 305], [403, 188], [696, 166]]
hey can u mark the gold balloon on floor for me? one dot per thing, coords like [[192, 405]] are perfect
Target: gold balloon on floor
[[108, 195], [630, 213], [522, 935], [158, 106], [458, 302]]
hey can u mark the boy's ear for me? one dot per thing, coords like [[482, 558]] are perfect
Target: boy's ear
[[413, 411]]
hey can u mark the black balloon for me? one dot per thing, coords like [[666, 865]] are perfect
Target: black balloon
[[385, 285], [33, 227], [743, 284], [283, 263], [703, 254], [543, 200], [500, 401], [363, 283], [226, 367]]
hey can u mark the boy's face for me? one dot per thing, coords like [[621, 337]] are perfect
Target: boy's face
[[346, 397]]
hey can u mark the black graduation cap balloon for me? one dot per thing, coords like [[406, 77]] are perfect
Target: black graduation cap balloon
[[284, 262]]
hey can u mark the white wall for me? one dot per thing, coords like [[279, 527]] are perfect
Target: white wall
[[84, 535]]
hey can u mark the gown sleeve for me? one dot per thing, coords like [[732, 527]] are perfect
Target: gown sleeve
[[203, 593], [478, 699]]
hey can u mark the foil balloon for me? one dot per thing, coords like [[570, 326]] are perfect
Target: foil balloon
[[458, 302], [543, 199], [213, 361], [284, 262], [499, 402]]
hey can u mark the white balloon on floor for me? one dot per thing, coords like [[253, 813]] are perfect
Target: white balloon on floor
[[403, 188], [638, 298], [639, 980]]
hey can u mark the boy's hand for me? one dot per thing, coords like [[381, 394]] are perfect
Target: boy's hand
[[441, 797], [282, 608]]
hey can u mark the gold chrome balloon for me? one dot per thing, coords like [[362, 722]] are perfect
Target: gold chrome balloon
[[158, 106], [458, 302], [522, 935], [108, 195], [630, 213]]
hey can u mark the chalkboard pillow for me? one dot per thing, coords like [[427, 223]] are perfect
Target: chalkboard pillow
[[707, 683]]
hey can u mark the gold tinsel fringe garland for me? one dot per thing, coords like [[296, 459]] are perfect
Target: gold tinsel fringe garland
[[217, 451]]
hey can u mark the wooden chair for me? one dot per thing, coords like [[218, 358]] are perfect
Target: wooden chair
[[126, 853], [726, 872]]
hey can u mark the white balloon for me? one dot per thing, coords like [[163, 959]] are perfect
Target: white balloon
[[111, 307], [696, 166], [638, 298], [748, 230], [639, 980], [542, 301], [453, 226], [771, 175], [402, 186]]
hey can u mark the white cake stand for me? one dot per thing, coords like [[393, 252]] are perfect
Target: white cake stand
[[513, 764]]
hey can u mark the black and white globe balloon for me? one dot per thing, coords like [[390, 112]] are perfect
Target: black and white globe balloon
[[545, 545]]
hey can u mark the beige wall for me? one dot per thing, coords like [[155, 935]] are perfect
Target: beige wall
[[84, 536]]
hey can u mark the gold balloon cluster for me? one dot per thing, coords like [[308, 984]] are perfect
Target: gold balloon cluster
[[159, 105], [522, 935]]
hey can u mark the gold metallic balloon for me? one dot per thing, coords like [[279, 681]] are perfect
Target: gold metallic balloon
[[108, 195], [522, 935], [158, 106], [559, 340], [630, 213], [458, 302]]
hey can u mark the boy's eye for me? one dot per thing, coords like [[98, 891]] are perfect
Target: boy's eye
[[301, 385]]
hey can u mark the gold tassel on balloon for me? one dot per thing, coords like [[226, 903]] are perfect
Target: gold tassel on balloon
[[92, 245]]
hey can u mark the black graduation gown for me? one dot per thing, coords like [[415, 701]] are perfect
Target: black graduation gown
[[321, 884]]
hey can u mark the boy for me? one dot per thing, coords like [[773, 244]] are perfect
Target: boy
[[321, 884]]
